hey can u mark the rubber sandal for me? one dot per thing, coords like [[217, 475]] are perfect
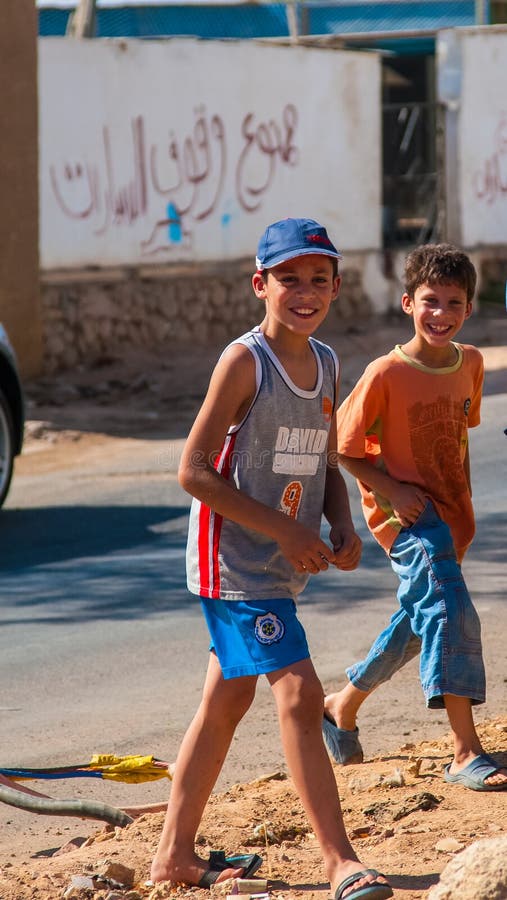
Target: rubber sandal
[[375, 890], [474, 775], [343, 745]]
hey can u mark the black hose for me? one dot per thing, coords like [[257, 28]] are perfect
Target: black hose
[[82, 809]]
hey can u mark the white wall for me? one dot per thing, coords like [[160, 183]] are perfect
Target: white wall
[[479, 83], [161, 151]]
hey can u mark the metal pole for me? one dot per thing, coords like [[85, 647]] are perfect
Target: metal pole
[[82, 22], [482, 12], [292, 20]]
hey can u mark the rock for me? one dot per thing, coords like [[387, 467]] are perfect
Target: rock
[[448, 845], [477, 873], [392, 812], [271, 776], [115, 872], [414, 765], [265, 834], [396, 779], [162, 891], [80, 886], [103, 836], [424, 801], [71, 845]]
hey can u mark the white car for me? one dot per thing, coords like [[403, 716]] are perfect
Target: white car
[[12, 413]]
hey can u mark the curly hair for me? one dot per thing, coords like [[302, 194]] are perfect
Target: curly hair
[[439, 264]]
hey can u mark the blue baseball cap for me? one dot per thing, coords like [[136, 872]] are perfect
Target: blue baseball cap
[[289, 238]]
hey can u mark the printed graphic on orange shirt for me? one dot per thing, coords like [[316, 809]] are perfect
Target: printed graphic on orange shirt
[[438, 442]]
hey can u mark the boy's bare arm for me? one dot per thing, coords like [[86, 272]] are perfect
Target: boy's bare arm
[[407, 500], [346, 542], [231, 391]]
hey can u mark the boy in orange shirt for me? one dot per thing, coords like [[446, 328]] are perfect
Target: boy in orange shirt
[[402, 433]]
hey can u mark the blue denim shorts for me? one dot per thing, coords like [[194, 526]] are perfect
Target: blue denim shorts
[[436, 618], [253, 637]]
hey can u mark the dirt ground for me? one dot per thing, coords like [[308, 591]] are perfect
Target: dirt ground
[[403, 818]]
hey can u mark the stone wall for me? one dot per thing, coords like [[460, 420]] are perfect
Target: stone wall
[[91, 316]]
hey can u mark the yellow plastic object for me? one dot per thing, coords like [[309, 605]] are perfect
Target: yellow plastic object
[[130, 769]]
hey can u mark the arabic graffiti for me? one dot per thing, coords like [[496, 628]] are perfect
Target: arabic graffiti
[[490, 181], [270, 140], [80, 195], [201, 162], [188, 175]]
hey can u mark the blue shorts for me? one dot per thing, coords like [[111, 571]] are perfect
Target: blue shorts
[[253, 637], [436, 618]]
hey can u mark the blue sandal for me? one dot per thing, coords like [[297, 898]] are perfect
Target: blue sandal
[[474, 775], [218, 861], [343, 746], [375, 890]]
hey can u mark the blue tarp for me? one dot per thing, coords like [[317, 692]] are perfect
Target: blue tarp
[[267, 20]]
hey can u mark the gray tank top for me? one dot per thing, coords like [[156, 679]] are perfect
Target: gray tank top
[[277, 454]]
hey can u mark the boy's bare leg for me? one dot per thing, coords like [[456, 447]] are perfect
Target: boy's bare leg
[[466, 740], [344, 705], [198, 765], [300, 703]]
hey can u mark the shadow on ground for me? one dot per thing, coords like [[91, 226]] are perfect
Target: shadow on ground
[[62, 564]]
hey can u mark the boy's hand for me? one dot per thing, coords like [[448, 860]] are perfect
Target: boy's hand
[[347, 546], [304, 549], [408, 502]]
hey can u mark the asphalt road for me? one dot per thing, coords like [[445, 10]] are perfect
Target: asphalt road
[[103, 650]]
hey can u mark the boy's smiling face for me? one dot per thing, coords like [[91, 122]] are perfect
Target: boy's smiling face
[[439, 311], [299, 292]]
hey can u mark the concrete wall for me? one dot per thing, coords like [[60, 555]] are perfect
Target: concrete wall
[[184, 150], [19, 237], [472, 79], [483, 138], [161, 163]]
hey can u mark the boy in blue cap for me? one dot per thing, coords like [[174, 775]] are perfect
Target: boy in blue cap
[[259, 464]]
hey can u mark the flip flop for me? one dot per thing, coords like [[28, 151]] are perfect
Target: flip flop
[[250, 862], [375, 890], [474, 775], [218, 861], [343, 745]]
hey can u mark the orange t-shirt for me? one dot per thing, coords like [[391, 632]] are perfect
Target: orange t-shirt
[[413, 422]]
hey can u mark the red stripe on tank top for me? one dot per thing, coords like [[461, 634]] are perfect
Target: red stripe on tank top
[[210, 527], [203, 549]]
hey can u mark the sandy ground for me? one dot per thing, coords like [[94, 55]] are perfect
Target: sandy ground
[[403, 818]]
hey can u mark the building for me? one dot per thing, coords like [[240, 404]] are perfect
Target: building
[[403, 31]]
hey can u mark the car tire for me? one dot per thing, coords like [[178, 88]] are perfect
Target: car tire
[[6, 447]]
